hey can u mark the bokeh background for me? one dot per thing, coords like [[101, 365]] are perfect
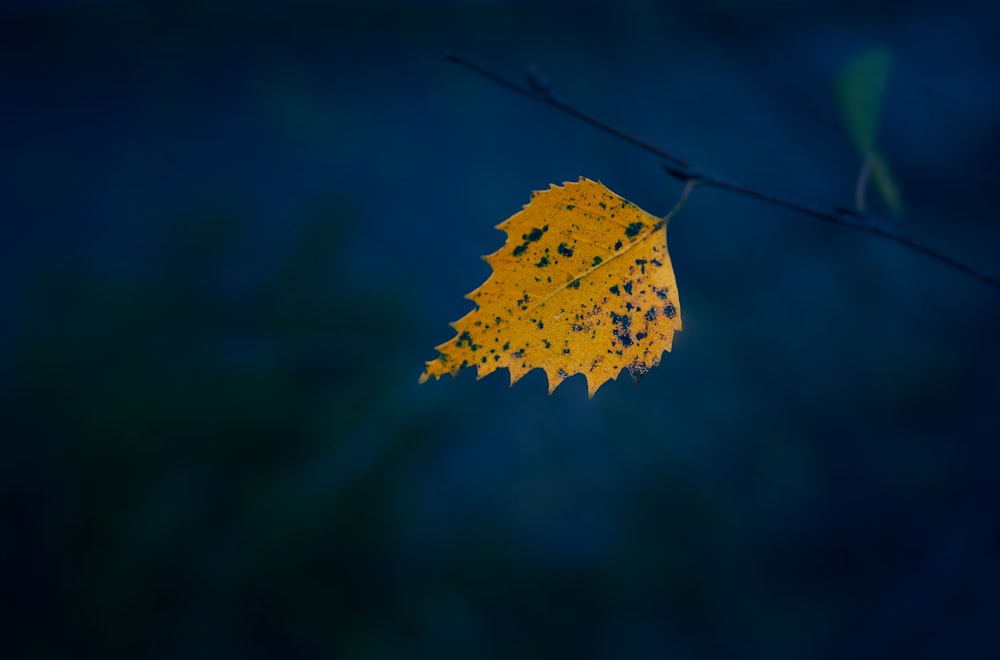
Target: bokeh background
[[232, 233]]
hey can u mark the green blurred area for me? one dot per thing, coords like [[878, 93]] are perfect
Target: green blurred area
[[861, 94], [162, 445]]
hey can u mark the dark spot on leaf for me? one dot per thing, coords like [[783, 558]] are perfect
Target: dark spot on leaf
[[561, 374], [651, 314], [618, 246], [520, 249], [614, 290], [547, 344], [597, 261], [656, 262], [466, 338], [641, 263], [565, 351], [496, 358], [498, 319], [670, 311], [570, 207], [575, 284], [639, 336], [535, 234], [543, 262], [519, 353], [577, 328], [506, 346], [564, 250], [628, 306], [540, 325], [633, 229], [483, 360], [621, 329], [602, 205], [661, 293], [628, 288]]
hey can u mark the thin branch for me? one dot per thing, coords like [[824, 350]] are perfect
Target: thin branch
[[541, 91], [842, 217], [837, 216], [538, 89]]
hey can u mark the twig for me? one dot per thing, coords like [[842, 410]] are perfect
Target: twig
[[540, 90]]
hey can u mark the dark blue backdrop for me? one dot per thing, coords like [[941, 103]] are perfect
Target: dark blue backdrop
[[232, 233]]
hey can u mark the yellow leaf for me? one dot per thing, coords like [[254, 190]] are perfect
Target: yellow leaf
[[583, 284]]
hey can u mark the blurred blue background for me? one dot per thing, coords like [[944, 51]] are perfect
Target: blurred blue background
[[232, 233]]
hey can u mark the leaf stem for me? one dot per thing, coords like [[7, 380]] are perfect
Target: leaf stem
[[689, 185], [538, 89]]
